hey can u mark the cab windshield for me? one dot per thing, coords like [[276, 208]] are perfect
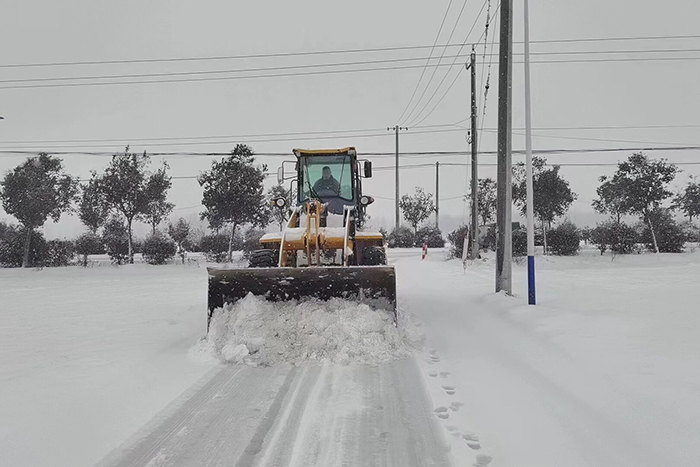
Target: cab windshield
[[326, 177]]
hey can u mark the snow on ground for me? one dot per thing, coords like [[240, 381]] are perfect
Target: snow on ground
[[87, 356], [257, 332], [602, 372]]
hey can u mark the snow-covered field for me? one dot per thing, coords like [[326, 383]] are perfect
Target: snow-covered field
[[104, 364]]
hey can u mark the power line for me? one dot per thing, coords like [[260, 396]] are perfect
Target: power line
[[430, 80], [327, 72], [330, 52], [339, 132], [337, 64], [241, 140], [390, 154], [606, 140], [437, 37], [448, 72], [214, 72]]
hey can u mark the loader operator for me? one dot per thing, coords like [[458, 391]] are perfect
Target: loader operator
[[327, 185]]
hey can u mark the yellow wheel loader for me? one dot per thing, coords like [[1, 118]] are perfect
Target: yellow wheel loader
[[323, 252]]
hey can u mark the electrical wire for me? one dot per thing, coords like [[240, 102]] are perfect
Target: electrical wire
[[389, 154], [330, 52], [446, 74], [215, 72], [430, 80], [437, 37]]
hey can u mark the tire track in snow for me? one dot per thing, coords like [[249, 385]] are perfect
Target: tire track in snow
[[209, 427], [326, 415]]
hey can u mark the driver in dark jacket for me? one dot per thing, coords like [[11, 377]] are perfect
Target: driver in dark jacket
[[327, 185]]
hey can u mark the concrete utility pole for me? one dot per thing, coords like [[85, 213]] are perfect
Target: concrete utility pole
[[474, 231], [531, 296], [504, 215], [437, 194], [397, 128]]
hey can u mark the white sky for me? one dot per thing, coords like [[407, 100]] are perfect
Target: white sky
[[564, 95]]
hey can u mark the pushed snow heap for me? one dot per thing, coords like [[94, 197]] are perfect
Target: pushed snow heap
[[257, 332]]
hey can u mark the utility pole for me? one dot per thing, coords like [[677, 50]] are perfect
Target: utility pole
[[397, 128], [504, 227], [474, 231], [437, 194], [531, 296]]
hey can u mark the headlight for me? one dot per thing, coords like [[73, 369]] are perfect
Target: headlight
[[280, 202], [364, 200]]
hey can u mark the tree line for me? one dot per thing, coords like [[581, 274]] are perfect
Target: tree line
[[640, 187], [129, 190], [236, 209]]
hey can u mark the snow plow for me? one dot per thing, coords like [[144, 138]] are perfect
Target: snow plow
[[323, 251]]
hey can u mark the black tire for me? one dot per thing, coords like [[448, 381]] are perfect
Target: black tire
[[263, 259], [373, 256]]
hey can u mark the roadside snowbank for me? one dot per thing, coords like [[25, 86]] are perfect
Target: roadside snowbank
[[257, 332]]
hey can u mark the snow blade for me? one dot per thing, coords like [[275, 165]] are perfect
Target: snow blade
[[375, 285]]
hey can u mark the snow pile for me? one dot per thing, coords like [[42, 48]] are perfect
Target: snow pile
[[257, 332]]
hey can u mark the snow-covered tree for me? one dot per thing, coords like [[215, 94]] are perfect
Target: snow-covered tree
[[487, 200], [92, 204], [417, 208], [688, 200], [551, 192], [234, 192], [34, 191], [131, 190], [640, 185]]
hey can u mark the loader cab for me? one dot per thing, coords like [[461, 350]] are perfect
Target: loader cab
[[330, 176]]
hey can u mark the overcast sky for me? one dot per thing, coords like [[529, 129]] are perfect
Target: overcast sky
[[570, 95]]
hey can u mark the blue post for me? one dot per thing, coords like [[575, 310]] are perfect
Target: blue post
[[531, 280]]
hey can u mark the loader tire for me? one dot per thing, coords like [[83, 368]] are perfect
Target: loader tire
[[374, 256], [263, 259]]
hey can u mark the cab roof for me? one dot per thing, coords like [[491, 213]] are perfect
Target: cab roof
[[324, 152]]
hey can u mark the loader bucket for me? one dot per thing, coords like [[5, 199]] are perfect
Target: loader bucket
[[375, 285]]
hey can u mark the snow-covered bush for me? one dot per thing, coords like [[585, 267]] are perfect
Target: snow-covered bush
[[251, 240], [670, 235], [157, 249], [401, 237], [619, 237], [456, 239], [215, 246], [116, 240], [487, 240], [89, 244], [519, 242], [431, 235], [12, 248], [564, 239], [58, 253], [692, 231]]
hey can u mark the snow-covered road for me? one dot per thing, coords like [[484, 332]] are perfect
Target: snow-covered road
[[295, 416], [97, 366]]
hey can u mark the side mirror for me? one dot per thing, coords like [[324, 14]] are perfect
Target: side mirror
[[368, 169], [280, 175]]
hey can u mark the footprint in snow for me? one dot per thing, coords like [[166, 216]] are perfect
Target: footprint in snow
[[444, 374], [483, 460], [442, 412], [433, 355], [455, 406], [450, 390], [433, 374]]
